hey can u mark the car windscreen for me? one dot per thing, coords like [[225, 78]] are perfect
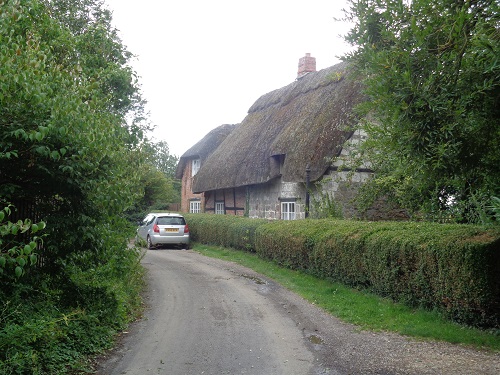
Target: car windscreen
[[170, 220]]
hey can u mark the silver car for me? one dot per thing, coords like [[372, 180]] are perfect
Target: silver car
[[164, 229]]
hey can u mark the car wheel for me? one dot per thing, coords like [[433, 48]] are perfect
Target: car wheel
[[149, 243]]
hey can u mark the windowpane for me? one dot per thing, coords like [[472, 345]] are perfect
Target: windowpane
[[219, 208], [195, 166], [165, 220], [288, 210], [195, 207]]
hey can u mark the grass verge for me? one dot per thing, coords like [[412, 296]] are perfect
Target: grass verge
[[363, 309]]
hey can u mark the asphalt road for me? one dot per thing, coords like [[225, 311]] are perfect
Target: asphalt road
[[207, 316]]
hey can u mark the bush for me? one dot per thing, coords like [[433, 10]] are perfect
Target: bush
[[50, 323], [450, 268], [230, 231]]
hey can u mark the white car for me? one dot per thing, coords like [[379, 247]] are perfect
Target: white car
[[164, 229]]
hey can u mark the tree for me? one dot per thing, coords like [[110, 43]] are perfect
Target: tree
[[166, 163], [160, 157], [432, 78], [160, 187], [102, 57], [63, 139], [66, 147], [71, 127]]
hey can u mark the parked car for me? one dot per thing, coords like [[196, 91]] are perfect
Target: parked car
[[164, 229]]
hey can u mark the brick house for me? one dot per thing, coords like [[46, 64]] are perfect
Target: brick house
[[292, 138], [189, 165]]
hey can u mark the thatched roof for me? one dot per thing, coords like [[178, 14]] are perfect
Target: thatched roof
[[306, 122], [204, 147]]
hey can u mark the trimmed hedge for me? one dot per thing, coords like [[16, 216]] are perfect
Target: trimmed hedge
[[228, 231], [451, 268]]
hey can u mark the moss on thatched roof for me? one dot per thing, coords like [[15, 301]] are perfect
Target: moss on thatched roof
[[204, 147], [306, 123]]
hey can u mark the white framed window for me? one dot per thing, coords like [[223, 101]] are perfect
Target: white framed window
[[288, 210], [195, 207], [219, 208], [195, 166]]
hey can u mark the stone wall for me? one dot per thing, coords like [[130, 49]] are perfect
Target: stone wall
[[264, 200], [334, 194], [342, 188]]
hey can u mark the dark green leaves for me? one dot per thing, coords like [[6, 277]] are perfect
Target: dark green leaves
[[67, 157], [17, 251], [432, 73]]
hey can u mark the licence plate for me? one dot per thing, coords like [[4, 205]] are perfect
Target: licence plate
[[171, 230]]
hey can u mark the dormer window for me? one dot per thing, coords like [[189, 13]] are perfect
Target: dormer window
[[195, 167]]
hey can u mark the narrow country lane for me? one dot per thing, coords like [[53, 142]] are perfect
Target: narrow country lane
[[205, 319], [207, 316]]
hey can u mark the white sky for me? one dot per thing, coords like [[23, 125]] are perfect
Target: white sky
[[203, 63]]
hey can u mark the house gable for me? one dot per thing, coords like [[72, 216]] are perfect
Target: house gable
[[191, 161]]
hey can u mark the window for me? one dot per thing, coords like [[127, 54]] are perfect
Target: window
[[195, 167], [288, 210], [148, 219], [195, 207], [219, 208], [166, 220]]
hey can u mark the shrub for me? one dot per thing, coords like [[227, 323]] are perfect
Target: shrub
[[49, 323], [230, 231], [451, 268]]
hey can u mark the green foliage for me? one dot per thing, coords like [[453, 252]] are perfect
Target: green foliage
[[157, 188], [58, 122], [495, 208], [449, 268], [160, 188], [323, 204], [49, 327], [71, 126], [231, 231], [18, 244], [158, 154], [432, 77], [287, 243]]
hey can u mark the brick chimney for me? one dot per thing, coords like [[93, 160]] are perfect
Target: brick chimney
[[307, 64]]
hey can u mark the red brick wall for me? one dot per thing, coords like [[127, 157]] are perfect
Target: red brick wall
[[306, 64], [187, 190]]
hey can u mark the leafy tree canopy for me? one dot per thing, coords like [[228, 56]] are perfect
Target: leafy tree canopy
[[432, 76], [159, 156], [72, 161], [158, 181], [71, 119]]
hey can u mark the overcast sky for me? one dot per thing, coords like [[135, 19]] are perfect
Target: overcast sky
[[203, 63]]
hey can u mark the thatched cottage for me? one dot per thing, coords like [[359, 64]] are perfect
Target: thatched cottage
[[189, 165], [291, 138]]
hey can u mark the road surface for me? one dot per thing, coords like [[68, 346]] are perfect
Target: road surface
[[207, 316]]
